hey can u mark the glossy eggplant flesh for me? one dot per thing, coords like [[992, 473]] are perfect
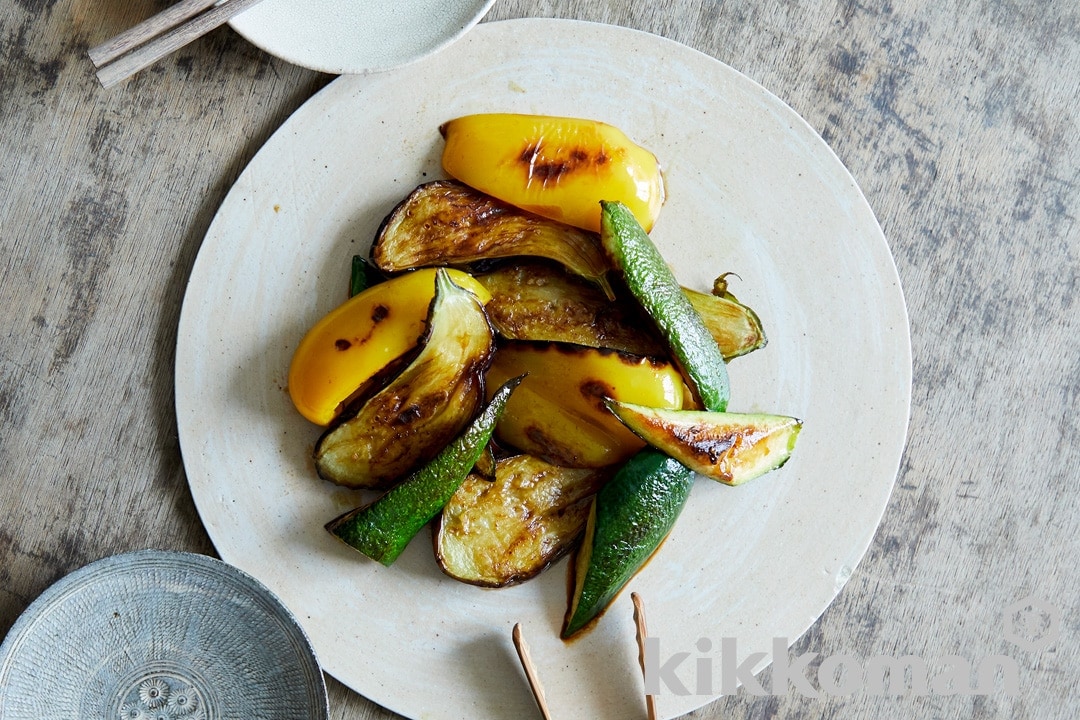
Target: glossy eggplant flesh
[[536, 300], [422, 409], [501, 532], [447, 223], [734, 326]]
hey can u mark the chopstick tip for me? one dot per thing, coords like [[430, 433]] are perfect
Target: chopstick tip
[[642, 633], [530, 671]]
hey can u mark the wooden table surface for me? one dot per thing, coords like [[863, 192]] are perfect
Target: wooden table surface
[[960, 121]]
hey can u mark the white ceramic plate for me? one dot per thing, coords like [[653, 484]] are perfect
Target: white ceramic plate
[[752, 189], [357, 36], [155, 634]]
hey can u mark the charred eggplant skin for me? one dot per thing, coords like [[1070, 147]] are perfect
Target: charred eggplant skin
[[407, 422], [447, 223], [502, 532], [382, 529]]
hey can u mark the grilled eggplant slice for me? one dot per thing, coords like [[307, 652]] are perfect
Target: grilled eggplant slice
[[348, 354], [408, 422], [447, 223], [731, 448], [558, 412], [383, 528], [534, 300], [504, 532], [735, 327], [540, 301]]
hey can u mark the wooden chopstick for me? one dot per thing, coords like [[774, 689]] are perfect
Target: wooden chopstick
[[534, 680], [530, 672], [642, 633], [139, 34], [149, 41]]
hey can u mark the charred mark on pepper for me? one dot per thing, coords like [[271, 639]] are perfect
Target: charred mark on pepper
[[596, 391], [552, 169], [378, 314]]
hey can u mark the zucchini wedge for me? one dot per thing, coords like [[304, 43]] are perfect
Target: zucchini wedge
[[503, 532], [447, 223], [382, 529], [406, 423], [651, 282], [630, 518], [731, 448]]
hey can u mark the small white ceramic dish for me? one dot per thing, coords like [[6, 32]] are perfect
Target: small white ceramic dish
[[751, 189], [357, 36], [154, 635]]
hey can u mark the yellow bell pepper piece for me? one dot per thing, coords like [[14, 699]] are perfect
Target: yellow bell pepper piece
[[360, 337], [560, 168], [558, 411]]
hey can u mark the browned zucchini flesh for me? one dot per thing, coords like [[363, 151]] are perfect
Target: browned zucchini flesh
[[503, 532], [447, 223], [410, 420], [731, 448]]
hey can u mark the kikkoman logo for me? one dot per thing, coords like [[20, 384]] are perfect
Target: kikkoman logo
[[1030, 624]]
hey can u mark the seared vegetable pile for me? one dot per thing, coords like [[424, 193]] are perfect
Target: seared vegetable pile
[[518, 364]]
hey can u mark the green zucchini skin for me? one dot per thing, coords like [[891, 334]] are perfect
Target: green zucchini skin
[[631, 516], [363, 275], [650, 281], [382, 529]]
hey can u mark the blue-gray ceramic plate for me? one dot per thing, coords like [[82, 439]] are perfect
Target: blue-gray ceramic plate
[[154, 635]]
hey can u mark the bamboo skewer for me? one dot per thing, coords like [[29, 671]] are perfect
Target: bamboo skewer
[[149, 41], [530, 672], [642, 632]]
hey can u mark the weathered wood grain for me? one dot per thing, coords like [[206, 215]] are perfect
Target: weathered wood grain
[[960, 121]]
